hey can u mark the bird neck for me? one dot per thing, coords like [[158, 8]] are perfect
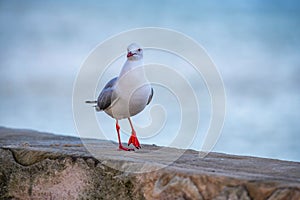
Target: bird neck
[[135, 66]]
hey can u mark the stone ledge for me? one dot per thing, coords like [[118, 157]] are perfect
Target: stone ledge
[[36, 165]]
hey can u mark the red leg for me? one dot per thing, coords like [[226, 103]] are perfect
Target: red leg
[[119, 138], [133, 139]]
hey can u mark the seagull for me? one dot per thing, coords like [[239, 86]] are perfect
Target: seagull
[[126, 95]]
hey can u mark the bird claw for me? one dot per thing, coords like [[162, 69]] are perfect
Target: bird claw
[[133, 140], [125, 149]]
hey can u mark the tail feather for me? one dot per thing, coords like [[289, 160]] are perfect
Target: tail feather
[[95, 106], [90, 101]]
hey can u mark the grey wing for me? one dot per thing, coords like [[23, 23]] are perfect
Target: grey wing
[[150, 96], [106, 96]]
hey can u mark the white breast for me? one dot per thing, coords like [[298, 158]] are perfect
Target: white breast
[[132, 91]]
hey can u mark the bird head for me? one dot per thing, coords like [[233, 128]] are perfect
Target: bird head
[[134, 52]]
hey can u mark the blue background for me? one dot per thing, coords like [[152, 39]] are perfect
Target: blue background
[[255, 45]]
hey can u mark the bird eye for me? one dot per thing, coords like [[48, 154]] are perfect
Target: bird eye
[[139, 49]]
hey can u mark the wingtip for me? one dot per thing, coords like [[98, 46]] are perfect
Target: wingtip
[[88, 101]]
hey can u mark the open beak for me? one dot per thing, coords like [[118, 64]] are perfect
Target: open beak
[[129, 54]]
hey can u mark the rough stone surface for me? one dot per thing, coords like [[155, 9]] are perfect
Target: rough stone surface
[[35, 165]]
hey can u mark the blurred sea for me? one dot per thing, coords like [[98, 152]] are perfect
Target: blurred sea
[[255, 45]]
